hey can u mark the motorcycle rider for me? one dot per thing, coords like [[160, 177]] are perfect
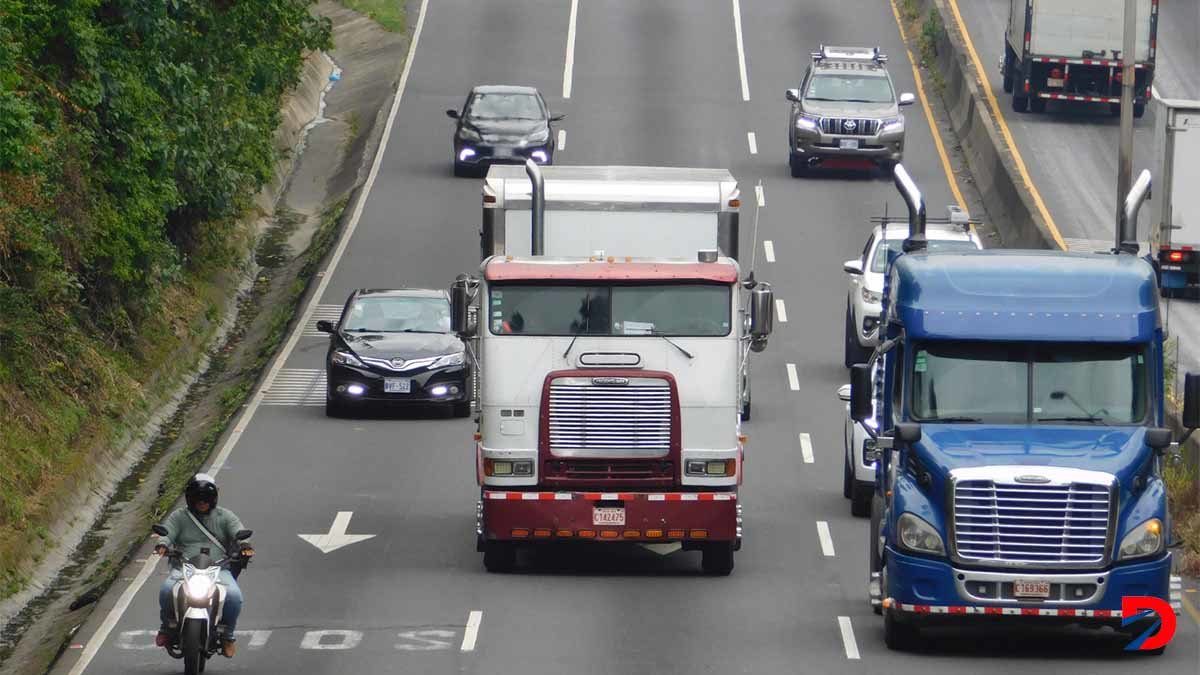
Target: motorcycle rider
[[201, 497]]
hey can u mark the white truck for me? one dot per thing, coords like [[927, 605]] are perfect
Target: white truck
[[1175, 229], [647, 211], [1070, 50]]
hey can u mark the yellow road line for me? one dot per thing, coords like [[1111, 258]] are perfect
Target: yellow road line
[[937, 137], [1008, 139]]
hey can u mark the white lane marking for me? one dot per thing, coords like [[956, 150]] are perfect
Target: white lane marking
[[345, 639], [806, 448], [97, 640], [472, 632], [769, 249], [1154, 92], [569, 66], [297, 386], [562, 140], [793, 378], [336, 537], [762, 197], [425, 640], [753, 142], [737, 29], [329, 313], [848, 637], [826, 540], [781, 310]]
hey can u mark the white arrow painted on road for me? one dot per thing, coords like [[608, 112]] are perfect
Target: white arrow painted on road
[[337, 537]]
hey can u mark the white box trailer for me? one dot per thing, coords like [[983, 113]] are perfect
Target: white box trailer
[[1070, 50], [642, 211], [1175, 230]]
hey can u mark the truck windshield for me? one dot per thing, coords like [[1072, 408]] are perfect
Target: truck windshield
[[1026, 384], [695, 310]]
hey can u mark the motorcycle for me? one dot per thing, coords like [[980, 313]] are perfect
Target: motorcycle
[[199, 599]]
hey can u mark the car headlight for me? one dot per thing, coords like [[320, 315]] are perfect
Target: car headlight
[[449, 360], [504, 467], [893, 124], [871, 297], [919, 536], [468, 134], [1145, 539], [341, 358], [199, 586], [807, 123]]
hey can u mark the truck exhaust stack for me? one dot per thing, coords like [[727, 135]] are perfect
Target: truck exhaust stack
[[916, 210], [1127, 236], [537, 207]]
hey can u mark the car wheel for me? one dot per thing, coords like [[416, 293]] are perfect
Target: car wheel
[[1037, 105], [461, 408], [334, 407], [798, 168], [460, 170], [1139, 109], [887, 168], [718, 559], [847, 478]]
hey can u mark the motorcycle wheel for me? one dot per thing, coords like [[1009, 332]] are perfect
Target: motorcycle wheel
[[191, 643]]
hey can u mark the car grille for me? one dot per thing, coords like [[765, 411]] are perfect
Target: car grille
[[1004, 523], [853, 126], [619, 421]]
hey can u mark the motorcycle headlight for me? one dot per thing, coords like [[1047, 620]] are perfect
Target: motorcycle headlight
[[806, 123], [1145, 539], [199, 587], [468, 134], [346, 359], [450, 360], [871, 297], [893, 124], [918, 535]]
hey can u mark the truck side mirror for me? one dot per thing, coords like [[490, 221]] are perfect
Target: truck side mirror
[[1191, 401], [762, 311], [460, 301], [861, 390], [908, 432], [1158, 438]]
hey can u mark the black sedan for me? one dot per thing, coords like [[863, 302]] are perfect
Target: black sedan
[[502, 124], [395, 347]]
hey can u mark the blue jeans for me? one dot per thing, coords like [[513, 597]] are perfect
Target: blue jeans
[[229, 615]]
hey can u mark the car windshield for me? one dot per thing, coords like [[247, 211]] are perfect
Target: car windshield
[[662, 309], [1021, 383], [852, 88], [397, 314], [505, 107], [879, 262]]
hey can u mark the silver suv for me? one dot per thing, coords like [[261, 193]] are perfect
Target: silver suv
[[845, 113]]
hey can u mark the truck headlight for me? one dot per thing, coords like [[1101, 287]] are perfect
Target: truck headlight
[[346, 359], [449, 360], [504, 467], [871, 297], [1145, 539], [918, 535], [711, 467]]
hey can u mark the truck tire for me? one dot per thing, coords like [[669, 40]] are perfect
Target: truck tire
[[1008, 70], [876, 561], [899, 637], [717, 559], [499, 557], [860, 499], [1037, 104], [1020, 103], [847, 478]]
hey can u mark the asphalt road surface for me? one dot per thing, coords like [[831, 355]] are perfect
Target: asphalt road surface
[[653, 82]]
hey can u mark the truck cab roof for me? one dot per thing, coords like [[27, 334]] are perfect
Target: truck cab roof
[[1025, 295], [684, 189], [540, 268]]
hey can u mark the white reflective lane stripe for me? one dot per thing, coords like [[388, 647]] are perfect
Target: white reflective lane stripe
[[781, 310], [741, 50], [753, 142], [848, 637], [331, 640], [562, 140], [472, 632], [806, 448], [762, 197], [826, 540], [569, 64], [769, 249], [793, 378]]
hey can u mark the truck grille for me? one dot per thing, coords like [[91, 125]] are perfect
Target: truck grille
[[610, 421], [615, 472], [1003, 523], [853, 126]]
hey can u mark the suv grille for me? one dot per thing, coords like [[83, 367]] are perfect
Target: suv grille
[[1034, 524], [853, 126], [596, 421]]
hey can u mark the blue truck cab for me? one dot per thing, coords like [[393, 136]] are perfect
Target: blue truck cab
[[1021, 444]]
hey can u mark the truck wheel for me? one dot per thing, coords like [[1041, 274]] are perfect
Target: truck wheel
[[876, 563], [499, 556], [853, 352], [860, 500], [1008, 70], [1037, 105], [1020, 103], [1139, 109], [718, 559], [900, 637]]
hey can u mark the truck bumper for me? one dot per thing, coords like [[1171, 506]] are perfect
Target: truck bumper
[[929, 590], [687, 517]]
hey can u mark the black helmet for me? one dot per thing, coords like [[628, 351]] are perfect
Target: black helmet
[[201, 488]]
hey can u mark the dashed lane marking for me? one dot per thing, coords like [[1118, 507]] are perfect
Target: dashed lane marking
[[848, 638], [741, 50], [472, 632], [753, 142], [781, 310], [806, 450], [562, 140], [569, 64], [793, 378], [769, 250], [760, 195], [826, 539]]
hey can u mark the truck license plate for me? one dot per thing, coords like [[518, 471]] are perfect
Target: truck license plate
[[608, 516], [397, 385], [848, 143], [1054, 82], [1029, 588]]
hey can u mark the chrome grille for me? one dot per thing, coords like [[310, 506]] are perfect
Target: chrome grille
[[587, 420], [853, 126], [1006, 523]]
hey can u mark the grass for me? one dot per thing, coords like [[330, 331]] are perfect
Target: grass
[[387, 13]]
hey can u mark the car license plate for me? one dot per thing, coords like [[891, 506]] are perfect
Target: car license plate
[[397, 385], [608, 516], [848, 143], [1029, 588]]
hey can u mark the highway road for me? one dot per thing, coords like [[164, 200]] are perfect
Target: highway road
[[651, 82]]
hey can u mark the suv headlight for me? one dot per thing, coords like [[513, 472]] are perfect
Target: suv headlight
[[919, 536], [892, 124], [1145, 539], [871, 297], [806, 123], [341, 358], [449, 360]]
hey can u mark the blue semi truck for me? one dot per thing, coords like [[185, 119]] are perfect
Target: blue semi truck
[[1021, 438]]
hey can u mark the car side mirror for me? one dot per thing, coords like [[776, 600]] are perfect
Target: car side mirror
[[762, 311], [907, 99], [159, 530], [460, 301], [243, 535], [792, 95], [558, 117], [852, 267], [1191, 401], [452, 114], [861, 389], [908, 432], [844, 393], [324, 326]]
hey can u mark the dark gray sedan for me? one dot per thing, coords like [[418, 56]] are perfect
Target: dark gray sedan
[[502, 124]]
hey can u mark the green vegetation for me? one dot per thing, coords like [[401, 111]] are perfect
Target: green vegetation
[[931, 33], [387, 13], [133, 135]]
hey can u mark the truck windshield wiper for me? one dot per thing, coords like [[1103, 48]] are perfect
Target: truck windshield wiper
[[953, 419], [418, 330], [681, 349], [1070, 419]]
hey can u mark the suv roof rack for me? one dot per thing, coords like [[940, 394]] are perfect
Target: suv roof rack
[[831, 52], [954, 216]]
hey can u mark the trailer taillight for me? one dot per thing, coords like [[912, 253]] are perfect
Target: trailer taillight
[[735, 203], [1175, 256], [489, 199]]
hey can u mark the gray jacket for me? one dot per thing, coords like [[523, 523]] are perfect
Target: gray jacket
[[184, 535]]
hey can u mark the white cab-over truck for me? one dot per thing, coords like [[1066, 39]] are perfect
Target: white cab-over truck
[[1175, 230]]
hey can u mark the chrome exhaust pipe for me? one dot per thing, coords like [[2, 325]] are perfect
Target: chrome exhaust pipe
[[537, 207], [1127, 233], [916, 210]]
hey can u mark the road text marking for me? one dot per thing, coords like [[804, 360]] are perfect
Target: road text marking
[[340, 640], [737, 29], [826, 540], [806, 448], [753, 142], [793, 378], [569, 67], [848, 637], [769, 249], [473, 620]]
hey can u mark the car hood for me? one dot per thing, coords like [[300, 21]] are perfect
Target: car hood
[[507, 129], [850, 109], [407, 346]]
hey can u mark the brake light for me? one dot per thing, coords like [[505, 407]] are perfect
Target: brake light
[[1175, 256]]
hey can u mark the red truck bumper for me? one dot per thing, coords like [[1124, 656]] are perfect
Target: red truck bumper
[[569, 516]]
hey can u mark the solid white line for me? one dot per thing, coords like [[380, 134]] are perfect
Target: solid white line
[[1154, 92], [848, 637], [781, 310], [472, 632], [826, 540], [569, 68], [562, 140], [762, 197], [737, 29], [110, 621], [793, 379], [769, 249], [753, 142], [806, 448]]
